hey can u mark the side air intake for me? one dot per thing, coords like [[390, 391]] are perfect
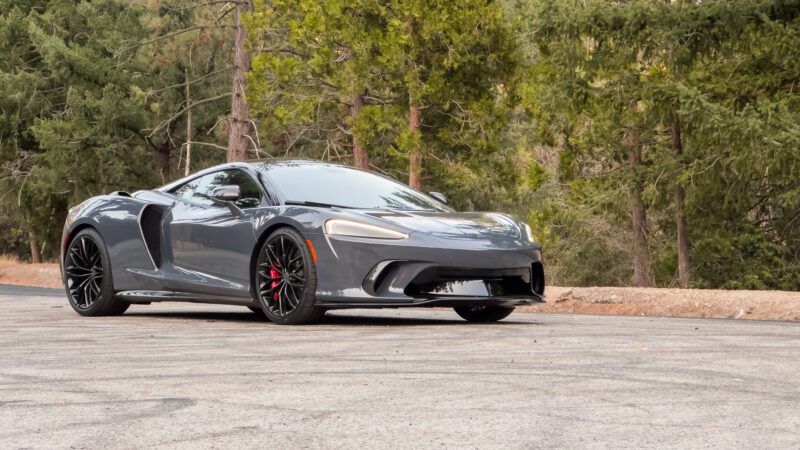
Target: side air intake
[[537, 278], [150, 224]]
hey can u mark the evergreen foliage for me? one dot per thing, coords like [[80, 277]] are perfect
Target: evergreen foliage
[[728, 72], [89, 92], [570, 113], [455, 61]]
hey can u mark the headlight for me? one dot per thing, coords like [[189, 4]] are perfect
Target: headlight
[[528, 232], [340, 227]]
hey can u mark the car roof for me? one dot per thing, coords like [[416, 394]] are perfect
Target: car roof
[[253, 164], [269, 162]]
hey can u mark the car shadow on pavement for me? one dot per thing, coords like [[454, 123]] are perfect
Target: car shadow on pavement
[[344, 319], [337, 318], [356, 320], [208, 316]]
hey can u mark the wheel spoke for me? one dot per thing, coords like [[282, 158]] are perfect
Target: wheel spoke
[[84, 282], [77, 258], [268, 292], [280, 298], [294, 294], [263, 274], [86, 300], [84, 251], [96, 259], [295, 260], [282, 255], [271, 256], [93, 285], [77, 271]]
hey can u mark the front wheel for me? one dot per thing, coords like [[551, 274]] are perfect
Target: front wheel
[[483, 313], [286, 279], [87, 277]]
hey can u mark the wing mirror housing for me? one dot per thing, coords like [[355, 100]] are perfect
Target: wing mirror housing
[[439, 196], [227, 195]]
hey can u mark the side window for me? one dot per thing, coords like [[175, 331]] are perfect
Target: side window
[[186, 190], [205, 185], [249, 193], [199, 190]]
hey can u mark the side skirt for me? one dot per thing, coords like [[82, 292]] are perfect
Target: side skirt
[[170, 296]]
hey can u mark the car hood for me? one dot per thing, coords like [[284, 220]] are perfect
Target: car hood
[[495, 227]]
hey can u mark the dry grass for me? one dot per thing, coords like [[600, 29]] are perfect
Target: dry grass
[[8, 259], [43, 275]]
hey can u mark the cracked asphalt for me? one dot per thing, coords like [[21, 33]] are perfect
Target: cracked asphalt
[[187, 375]]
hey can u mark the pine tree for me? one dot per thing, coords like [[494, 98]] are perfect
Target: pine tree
[[711, 96], [412, 83]]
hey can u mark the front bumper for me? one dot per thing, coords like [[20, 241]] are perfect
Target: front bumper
[[354, 272]]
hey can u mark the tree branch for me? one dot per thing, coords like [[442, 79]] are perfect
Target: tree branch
[[182, 111], [200, 5], [160, 38]]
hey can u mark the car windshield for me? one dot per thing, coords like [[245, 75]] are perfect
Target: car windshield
[[322, 184]]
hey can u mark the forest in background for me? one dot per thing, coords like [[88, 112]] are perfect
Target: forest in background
[[646, 142]]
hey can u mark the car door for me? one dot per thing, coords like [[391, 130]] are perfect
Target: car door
[[210, 243]]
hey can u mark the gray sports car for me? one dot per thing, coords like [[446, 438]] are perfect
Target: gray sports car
[[292, 239]]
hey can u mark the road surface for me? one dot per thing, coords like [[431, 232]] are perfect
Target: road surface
[[183, 375]]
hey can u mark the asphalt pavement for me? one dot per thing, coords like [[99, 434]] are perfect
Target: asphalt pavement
[[188, 375]]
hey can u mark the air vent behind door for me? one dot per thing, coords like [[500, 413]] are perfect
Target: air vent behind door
[[150, 224]]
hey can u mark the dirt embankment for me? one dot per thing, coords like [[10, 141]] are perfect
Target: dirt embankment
[[41, 275], [704, 303], [625, 301]]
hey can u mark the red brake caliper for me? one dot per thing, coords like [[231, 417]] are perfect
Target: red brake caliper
[[275, 275]]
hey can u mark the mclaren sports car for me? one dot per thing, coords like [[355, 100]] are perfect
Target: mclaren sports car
[[292, 239]]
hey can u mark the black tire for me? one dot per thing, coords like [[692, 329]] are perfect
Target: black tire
[[483, 313], [286, 279], [87, 278]]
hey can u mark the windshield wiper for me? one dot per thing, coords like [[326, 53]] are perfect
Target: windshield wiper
[[320, 204]]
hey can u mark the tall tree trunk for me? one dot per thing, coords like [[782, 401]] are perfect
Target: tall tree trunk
[[188, 167], [415, 158], [36, 254], [161, 157], [680, 214], [239, 137], [641, 253], [359, 153]]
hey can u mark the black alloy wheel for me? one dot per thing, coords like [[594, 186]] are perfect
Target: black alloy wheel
[[87, 277], [286, 279]]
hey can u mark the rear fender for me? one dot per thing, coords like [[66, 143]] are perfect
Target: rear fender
[[118, 219]]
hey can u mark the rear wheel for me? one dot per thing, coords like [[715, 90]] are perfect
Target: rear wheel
[[483, 313], [87, 277], [286, 279]]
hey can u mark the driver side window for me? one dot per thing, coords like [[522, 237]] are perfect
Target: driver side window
[[199, 190]]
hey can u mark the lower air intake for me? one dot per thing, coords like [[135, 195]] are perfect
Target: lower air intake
[[437, 282]]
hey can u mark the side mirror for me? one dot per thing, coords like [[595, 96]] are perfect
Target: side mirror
[[226, 193], [439, 196]]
